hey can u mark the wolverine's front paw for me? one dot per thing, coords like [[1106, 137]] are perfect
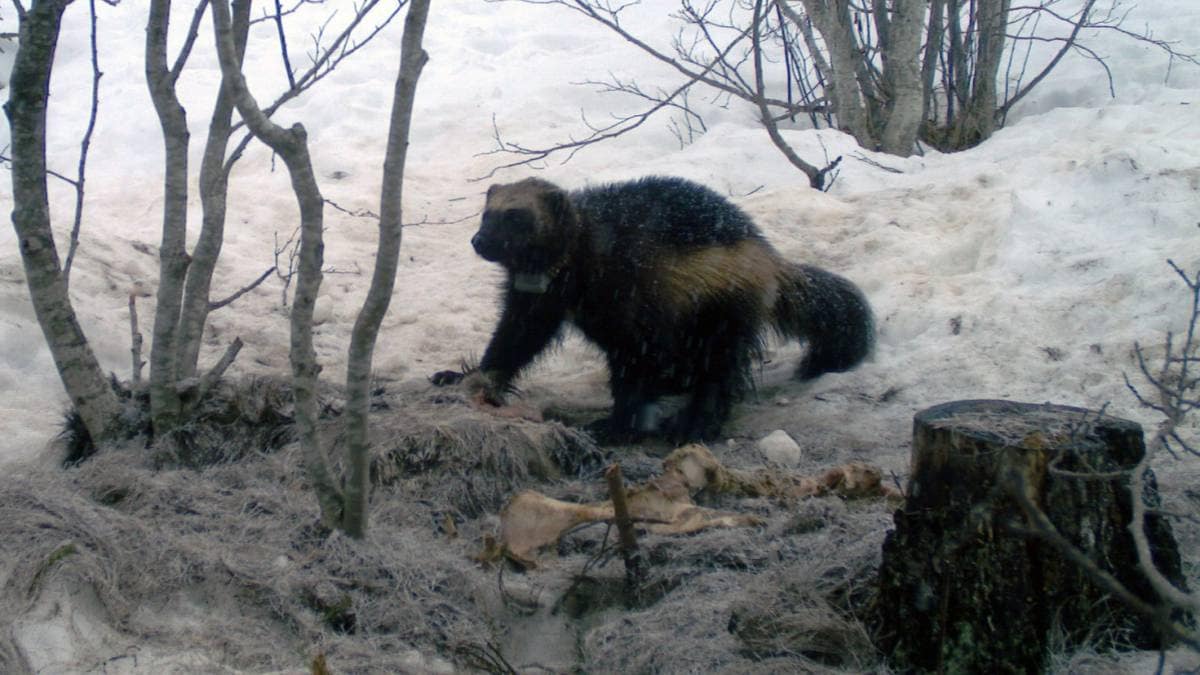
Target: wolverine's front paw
[[484, 388], [444, 378], [684, 428], [609, 431]]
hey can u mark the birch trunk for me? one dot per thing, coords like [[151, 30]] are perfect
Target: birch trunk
[[933, 51], [165, 407], [902, 77], [832, 20], [26, 109], [214, 189], [292, 146], [366, 327], [978, 121]]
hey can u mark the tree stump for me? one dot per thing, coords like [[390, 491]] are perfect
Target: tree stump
[[964, 588]]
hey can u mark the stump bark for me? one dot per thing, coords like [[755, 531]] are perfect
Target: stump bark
[[964, 588]]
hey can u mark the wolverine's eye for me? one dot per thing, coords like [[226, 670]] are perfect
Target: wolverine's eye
[[518, 221]]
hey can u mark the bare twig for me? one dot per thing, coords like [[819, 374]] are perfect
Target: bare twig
[[816, 177], [283, 48], [135, 344], [84, 145], [867, 160], [620, 126], [323, 63], [634, 562], [288, 272], [1068, 44], [1040, 526], [357, 213], [327, 60], [267, 16], [5, 159], [486, 657], [1174, 386], [189, 40], [218, 370], [213, 306]]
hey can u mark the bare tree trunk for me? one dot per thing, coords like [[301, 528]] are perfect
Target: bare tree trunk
[[956, 74], [933, 51], [29, 88], [165, 407], [214, 188], [292, 146], [366, 327], [831, 19], [902, 77], [978, 120]]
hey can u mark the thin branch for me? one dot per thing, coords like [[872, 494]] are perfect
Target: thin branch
[[634, 561], [816, 177], [135, 344], [867, 160], [326, 62], [1137, 528], [189, 40], [357, 213], [293, 252], [322, 65], [1040, 526], [283, 48], [84, 145], [266, 16], [218, 370], [620, 126], [213, 306], [1068, 44], [5, 159], [357, 484]]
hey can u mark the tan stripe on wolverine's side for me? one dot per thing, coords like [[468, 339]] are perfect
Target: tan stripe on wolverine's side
[[687, 279]]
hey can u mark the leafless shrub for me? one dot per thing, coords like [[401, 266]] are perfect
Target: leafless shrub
[[1173, 387], [891, 74]]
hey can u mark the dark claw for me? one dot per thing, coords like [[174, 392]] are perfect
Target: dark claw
[[444, 378]]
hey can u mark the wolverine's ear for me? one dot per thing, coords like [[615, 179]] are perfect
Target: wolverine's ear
[[492, 189]]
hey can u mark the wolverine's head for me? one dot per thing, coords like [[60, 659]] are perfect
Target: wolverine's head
[[527, 226]]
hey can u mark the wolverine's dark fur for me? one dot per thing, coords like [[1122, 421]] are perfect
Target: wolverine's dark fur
[[676, 285]]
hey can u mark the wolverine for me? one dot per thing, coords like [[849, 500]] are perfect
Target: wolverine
[[672, 281]]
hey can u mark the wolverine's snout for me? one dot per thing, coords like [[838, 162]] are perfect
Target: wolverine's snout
[[488, 248]]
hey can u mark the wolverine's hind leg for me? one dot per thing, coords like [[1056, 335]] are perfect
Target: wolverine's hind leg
[[705, 414], [720, 377], [635, 412]]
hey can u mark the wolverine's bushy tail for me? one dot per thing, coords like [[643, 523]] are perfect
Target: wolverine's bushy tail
[[828, 312]]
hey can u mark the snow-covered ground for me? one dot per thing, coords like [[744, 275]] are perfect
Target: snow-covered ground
[[1025, 268]]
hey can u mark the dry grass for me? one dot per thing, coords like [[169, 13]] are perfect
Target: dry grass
[[218, 550]]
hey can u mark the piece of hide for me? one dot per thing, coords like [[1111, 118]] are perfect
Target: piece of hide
[[664, 505]]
